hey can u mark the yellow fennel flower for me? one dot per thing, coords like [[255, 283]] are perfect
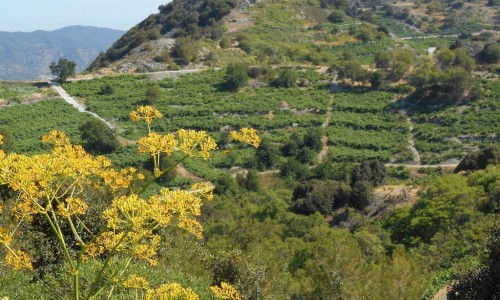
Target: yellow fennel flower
[[5, 237], [145, 113], [58, 138], [72, 206], [169, 292], [225, 292], [136, 282], [19, 260], [247, 136], [196, 143]]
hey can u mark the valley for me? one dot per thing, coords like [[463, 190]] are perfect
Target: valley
[[373, 171]]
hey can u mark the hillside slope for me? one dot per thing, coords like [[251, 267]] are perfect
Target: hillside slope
[[27, 55], [225, 31]]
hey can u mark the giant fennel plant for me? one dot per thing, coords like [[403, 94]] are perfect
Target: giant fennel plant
[[56, 187]]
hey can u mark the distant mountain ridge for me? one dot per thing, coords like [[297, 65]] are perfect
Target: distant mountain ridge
[[27, 55]]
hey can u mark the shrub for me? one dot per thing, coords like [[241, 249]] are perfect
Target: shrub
[[236, 76], [337, 16], [99, 138], [153, 94], [185, 50], [287, 78]]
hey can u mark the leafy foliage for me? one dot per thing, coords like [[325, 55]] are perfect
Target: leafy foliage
[[63, 69], [482, 283], [236, 76], [98, 137]]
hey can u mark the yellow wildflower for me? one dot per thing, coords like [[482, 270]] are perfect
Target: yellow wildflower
[[192, 139], [5, 237], [56, 137], [1, 139], [155, 144], [73, 206], [136, 282], [225, 292], [203, 189], [128, 210], [19, 260], [145, 113], [148, 251], [170, 292], [247, 136]]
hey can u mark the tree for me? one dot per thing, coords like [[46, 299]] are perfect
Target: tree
[[377, 79], [319, 196], [490, 53], [153, 94], [249, 181], [372, 171], [463, 60], [185, 50], [352, 70], [480, 159], [267, 155], [482, 283], [312, 138], [236, 76], [287, 78], [337, 16], [63, 69], [106, 90], [361, 195], [294, 169], [99, 138], [395, 63], [446, 57]]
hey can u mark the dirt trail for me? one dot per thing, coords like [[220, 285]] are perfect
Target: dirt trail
[[324, 139], [77, 105], [411, 143]]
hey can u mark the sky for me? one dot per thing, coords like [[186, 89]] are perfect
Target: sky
[[31, 15]]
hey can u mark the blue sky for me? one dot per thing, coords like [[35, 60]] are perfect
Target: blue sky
[[30, 15]]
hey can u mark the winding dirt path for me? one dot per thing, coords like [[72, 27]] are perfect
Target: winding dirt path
[[75, 104]]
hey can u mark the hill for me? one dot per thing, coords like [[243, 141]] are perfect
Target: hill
[[311, 32], [27, 55]]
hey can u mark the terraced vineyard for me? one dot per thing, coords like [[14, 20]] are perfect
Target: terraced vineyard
[[450, 132], [364, 127]]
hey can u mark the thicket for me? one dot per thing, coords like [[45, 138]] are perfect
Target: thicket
[[479, 160]]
